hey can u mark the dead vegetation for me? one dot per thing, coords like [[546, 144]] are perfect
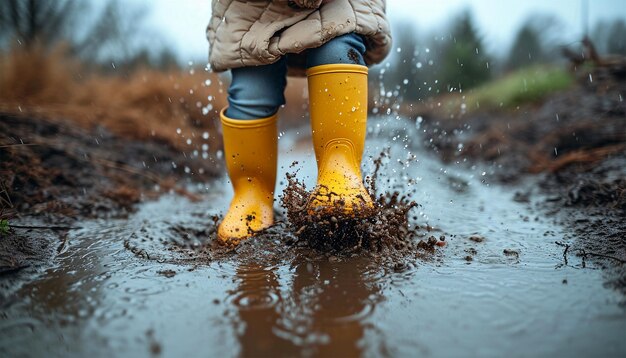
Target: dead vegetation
[[142, 105], [74, 141]]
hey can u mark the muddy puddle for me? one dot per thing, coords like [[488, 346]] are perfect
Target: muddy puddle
[[499, 285]]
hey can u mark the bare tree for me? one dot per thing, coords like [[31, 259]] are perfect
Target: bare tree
[[37, 21], [113, 34]]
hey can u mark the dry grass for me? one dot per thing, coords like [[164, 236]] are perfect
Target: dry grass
[[145, 104]]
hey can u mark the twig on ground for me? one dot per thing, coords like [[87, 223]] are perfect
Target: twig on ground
[[566, 246], [45, 227], [584, 253]]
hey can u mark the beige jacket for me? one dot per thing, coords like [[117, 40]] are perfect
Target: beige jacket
[[248, 33]]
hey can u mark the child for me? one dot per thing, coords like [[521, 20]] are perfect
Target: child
[[259, 42]]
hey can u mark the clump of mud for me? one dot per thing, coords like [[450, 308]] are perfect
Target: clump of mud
[[383, 229], [593, 192]]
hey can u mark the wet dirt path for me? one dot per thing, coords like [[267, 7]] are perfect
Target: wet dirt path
[[498, 287]]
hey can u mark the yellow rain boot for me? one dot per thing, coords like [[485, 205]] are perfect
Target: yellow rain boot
[[250, 151], [338, 105]]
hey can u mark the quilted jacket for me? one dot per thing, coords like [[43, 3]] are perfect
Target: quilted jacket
[[256, 32]]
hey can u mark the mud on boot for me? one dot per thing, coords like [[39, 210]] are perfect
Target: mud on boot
[[338, 102], [250, 151]]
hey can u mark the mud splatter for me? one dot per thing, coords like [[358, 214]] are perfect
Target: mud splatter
[[354, 56], [384, 234], [383, 230]]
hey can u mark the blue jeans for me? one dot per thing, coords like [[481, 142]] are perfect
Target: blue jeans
[[258, 91]]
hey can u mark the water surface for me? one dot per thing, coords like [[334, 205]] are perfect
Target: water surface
[[101, 300]]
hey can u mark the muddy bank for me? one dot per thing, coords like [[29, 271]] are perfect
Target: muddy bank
[[592, 204], [53, 174], [575, 141]]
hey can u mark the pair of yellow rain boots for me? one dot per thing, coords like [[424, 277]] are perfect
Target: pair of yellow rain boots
[[338, 105]]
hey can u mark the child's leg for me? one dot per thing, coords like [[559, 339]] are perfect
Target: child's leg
[[258, 91], [347, 48], [337, 81], [250, 148]]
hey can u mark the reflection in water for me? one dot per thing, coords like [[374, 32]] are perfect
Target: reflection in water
[[324, 312], [70, 293], [257, 298]]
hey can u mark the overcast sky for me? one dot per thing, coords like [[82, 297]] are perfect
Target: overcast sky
[[183, 22]]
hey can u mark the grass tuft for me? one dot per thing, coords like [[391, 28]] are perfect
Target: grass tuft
[[528, 85], [523, 86]]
